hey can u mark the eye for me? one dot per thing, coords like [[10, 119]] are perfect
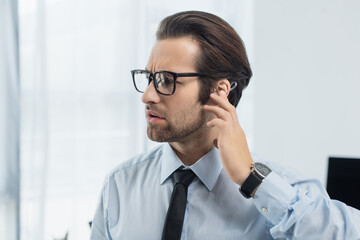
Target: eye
[[165, 79]]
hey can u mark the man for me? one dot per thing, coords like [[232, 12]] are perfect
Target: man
[[190, 99]]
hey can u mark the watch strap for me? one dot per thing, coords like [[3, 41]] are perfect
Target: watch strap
[[249, 185]]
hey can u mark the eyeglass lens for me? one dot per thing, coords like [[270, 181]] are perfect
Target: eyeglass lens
[[164, 82]]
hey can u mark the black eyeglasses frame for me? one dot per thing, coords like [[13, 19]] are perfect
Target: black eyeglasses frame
[[151, 79]]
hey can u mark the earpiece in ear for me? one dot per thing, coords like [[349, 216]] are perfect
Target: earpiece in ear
[[233, 85]]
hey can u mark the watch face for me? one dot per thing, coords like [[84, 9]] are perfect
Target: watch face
[[261, 169]]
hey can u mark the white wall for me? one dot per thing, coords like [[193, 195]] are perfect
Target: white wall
[[306, 82]]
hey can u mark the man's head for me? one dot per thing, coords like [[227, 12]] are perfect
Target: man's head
[[222, 54], [190, 42]]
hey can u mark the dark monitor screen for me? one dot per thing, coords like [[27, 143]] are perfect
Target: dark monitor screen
[[343, 182]]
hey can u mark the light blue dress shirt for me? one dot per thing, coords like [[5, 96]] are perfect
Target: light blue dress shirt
[[135, 198]]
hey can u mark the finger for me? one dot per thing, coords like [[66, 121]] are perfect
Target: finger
[[218, 111], [216, 122], [222, 101]]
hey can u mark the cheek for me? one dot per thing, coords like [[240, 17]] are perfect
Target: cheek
[[185, 100], [185, 110], [188, 92]]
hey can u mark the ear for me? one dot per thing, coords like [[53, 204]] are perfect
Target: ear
[[223, 85]]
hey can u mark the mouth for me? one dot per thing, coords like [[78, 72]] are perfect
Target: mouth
[[152, 114], [153, 117]]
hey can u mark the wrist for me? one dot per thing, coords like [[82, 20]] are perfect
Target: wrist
[[258, 172], [244, 175], [244, 171]]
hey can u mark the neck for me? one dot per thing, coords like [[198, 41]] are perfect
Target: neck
[[190, 150]]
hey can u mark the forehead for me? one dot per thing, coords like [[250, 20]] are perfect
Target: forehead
[[173, 54]]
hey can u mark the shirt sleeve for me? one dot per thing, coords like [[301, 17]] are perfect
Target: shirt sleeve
[[302, 209], [100, 226]]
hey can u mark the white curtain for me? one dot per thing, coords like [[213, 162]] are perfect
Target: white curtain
[[9, 122], [81, 115]]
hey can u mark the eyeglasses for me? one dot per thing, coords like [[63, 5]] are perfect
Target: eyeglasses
[[164, 81]]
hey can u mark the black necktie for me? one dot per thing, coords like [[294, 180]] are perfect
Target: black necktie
[[175, 214]]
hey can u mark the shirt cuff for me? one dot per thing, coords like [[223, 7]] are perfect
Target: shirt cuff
[[273, 198]]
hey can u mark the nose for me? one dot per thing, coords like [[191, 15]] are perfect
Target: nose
[[150, 95]]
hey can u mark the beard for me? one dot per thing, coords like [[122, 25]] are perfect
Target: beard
[[184, 125]]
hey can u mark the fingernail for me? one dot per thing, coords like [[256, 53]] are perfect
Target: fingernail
[[222, 93]]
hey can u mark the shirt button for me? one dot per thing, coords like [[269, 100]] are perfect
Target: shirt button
[[264, 210]]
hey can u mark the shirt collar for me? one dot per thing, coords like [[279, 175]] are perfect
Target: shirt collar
[[207, 168], [169, 162]]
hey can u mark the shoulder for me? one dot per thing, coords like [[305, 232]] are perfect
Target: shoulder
[[142, 160], [130, 172]]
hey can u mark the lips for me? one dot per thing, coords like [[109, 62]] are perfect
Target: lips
[[153, 114], [153, 117]]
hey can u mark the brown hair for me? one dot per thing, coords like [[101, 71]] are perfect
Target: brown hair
[[222, 53]]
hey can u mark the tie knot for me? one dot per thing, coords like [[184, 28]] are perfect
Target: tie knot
[[184, 177]]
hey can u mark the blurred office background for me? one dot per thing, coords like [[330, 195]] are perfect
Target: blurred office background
[[69, 112]]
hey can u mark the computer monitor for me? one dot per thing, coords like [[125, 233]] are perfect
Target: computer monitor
[[343, 181]]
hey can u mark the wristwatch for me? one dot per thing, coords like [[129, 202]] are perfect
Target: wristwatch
[[258, 172]]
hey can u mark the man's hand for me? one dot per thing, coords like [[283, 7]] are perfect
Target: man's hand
[[231, 139]]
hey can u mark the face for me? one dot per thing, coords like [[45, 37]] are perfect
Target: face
[[178, 117]]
